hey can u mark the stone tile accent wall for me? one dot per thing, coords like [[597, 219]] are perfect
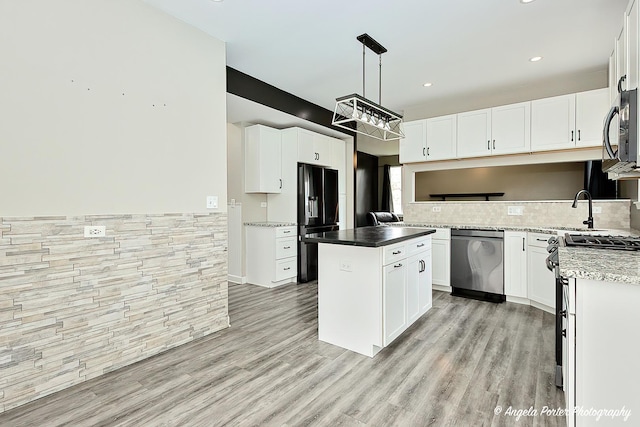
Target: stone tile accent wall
[[615, 214], [73, 308]]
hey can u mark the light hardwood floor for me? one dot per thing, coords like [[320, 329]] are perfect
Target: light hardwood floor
[[452, 367]]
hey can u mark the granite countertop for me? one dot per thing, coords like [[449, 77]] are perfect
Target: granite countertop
[[609, 265], [372, 237], [270, 224]]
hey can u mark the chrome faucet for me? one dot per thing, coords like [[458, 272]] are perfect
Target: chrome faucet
[[589, 221]]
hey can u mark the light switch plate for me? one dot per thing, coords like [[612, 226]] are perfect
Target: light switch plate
[[436, 209], [212, 202]]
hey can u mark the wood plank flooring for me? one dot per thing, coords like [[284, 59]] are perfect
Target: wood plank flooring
[[452, 367]]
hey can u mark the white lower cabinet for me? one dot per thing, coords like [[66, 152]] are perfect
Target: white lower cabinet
[[368, 296], [271, 255], [394, 300], [601, 371], [540, 281], [441, 257], [406, 286], [515, 264]]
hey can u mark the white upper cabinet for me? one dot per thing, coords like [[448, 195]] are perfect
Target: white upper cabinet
[[511, 128], [413, 147], [474, 133], [314, 149], [568, 121], [591, 108], [429, 139], [553, 123], [441, 137], [262, 155], [631, 24]]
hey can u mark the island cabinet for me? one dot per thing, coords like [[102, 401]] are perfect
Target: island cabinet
[[369, 295]]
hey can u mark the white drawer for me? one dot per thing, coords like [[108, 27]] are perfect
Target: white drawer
[[441, 234], [538, 239], [394, 252], [286, 247], [285, 232], [286, 268], [418, 245]]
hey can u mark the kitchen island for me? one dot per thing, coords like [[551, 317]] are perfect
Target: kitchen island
[[373, 283]]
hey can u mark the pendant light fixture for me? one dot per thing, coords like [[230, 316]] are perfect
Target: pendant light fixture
[[358, 114]]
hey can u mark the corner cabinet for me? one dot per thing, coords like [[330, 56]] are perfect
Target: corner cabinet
[[262, 160]]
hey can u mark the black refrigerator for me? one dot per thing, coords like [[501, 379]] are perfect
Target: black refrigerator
[[317, 212]]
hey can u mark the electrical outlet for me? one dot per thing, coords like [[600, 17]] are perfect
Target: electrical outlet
[[345, 266], [212, 202], [597, 209], [95, 231], [515, 210], [263, 204], [436, 209]]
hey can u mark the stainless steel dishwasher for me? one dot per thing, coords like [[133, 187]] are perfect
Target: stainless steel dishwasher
[[477, 267]]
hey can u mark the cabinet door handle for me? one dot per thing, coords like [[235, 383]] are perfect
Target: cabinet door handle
[[317, 156], [564, 332], [523, 244], [578, 134], [396, 252], [571, 136], [287, 247], [489, 145], [423, 151], [623, 78], [420, 245], [427, 151], [281, 183], [494, 144], [397, 265]]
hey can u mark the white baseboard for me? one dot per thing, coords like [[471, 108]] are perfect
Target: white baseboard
[[542, 307], [443, 288], [241, 280], [519, 300]]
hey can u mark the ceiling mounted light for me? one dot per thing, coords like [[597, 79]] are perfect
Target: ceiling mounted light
[[526, 1], [358, 114], [535, 59], [427, 84]]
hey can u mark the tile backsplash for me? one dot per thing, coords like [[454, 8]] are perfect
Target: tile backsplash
[[615, 214]]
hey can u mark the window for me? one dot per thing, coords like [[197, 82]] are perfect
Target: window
[[395, 176]]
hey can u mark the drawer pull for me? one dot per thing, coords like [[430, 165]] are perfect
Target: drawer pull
[[541, 240], [420, 245], [397, 265], [396, 252], [287, 247], [286, 232], [287, 268]]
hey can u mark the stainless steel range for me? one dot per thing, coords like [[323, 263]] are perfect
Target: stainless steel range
[[627, 243]]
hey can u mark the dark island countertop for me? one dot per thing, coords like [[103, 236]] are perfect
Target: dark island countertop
[[371, 237]]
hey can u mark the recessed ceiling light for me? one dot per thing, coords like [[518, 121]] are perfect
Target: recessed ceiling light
[[535, 59], [427, 84]]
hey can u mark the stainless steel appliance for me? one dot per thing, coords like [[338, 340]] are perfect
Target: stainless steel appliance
[[317, 212], [624, 159], [628, 243], [477, 269]]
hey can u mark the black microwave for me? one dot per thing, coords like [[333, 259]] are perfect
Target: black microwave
[[624, 159]]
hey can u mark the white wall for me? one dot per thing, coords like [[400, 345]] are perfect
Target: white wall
[[108, 107]]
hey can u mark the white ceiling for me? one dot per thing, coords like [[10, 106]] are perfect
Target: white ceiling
[[309, 48]]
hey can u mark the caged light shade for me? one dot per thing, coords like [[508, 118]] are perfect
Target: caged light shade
[[358, 114]]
